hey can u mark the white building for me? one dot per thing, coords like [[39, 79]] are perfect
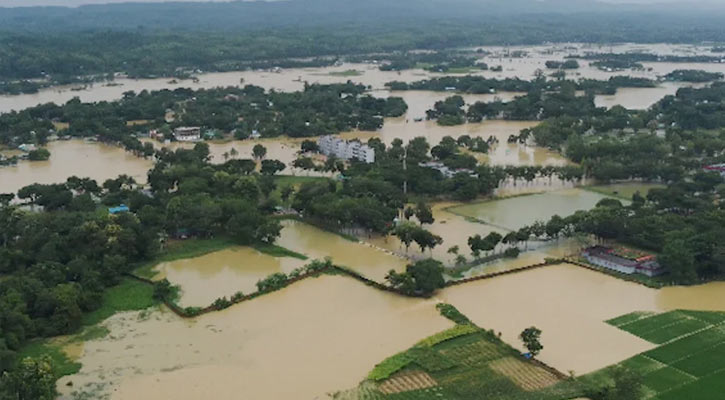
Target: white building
[[448, 172], [346, 150], [187, 133]]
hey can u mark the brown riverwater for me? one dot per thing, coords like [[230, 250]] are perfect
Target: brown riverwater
[[570, 304], [223, 273], [75, 157], [516, 212], [309, 339]]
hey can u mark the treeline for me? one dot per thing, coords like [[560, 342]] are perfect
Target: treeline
[[147, 40], [693, 75], [440, 61], [635, 58], [683, 223], [480, 85], [318, 109], [57, 259]]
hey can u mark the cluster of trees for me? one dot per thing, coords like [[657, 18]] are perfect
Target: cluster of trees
[[683, 223], [693, 75], [318, 109], [568, 64], [422, 278], [639, 57], [57, 262], [616, 64], [480, 85], [448, 112], [63, 43], [438, 61]]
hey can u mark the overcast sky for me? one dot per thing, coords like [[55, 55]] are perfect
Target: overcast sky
[[74, 3]]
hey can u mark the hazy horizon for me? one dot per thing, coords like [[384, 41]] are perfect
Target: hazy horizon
[[77, 3]]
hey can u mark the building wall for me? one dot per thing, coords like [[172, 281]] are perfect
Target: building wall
[[332, 146], [609, 264]]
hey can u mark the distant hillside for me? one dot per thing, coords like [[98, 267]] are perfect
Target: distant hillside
[[308, 13]]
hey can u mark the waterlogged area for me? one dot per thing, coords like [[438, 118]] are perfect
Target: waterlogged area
[[288, 80], [373, 263], [311, 338], [570, 304], [517, 212], [222, 274], [74, 157]]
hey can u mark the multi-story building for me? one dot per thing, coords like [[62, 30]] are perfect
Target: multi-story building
[[346, 150], [187, 133]]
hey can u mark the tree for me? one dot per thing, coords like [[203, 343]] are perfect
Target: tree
[[33, 379], [271, 167], [309, 146], [424, 214], [423, 277], [627, 385], [259, 152], [405, 232], [530, 337], [679, 259], [286, 192], [39, 155]]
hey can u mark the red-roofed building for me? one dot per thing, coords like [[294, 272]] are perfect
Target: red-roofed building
[[623, 260]]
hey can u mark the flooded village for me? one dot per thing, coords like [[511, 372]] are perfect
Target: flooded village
[[323, 335]]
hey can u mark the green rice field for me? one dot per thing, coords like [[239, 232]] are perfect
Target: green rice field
[[689, 364]]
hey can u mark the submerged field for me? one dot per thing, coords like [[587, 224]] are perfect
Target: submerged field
[[302, 342], [516, 212], [316, 243]]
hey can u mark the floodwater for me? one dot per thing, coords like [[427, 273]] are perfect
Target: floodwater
[[293, 79], [74, 157], [372, 262], [223, 273], [570, 304], [454, 230], [312, 338], [516, 212]]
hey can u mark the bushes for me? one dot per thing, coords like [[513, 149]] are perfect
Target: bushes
[[273, 282], [452, 313], [456, 331], [511, 252], [390, 366], [221, 303]]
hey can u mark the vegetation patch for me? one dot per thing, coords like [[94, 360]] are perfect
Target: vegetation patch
[[440, 337], [407, 381], [629, 318], [62, 364], [278, 251], [690, 366], [129, 295], [178, 250], [525, 374]]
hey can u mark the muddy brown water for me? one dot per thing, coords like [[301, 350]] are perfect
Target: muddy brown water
[[516, 212], [314, 337], [570, 304], [74, 157], [223, 273]]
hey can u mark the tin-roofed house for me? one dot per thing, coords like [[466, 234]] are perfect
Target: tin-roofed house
[[624, 260]]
